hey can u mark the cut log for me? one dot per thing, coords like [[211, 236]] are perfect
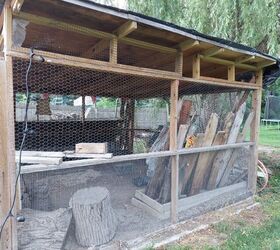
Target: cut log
[[92, 148], [241, 138], [223, 157], [203, 159], [95, 221]]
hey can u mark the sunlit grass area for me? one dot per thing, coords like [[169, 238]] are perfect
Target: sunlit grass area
[[269, 136]]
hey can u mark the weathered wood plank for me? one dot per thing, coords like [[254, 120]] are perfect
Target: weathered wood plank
[[122, 158], [189, 163], [233, 158], [254, 136], [202, 162], [91, 148], [173, 146], [40, 160], [223, 157]]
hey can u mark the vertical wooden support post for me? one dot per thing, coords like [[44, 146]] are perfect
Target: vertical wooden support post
[[83, 108], [196, 67], [113, 57], [179, 63], [231, 73], [255, 126], [7, 138], [173, 146], [131, 112]]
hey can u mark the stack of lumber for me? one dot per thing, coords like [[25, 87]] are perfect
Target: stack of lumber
[[200, 171], [83, 150]]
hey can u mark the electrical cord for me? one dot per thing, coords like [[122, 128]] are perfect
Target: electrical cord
[[25, 133]]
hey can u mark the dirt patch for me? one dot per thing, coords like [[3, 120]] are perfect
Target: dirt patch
[[217, 234]]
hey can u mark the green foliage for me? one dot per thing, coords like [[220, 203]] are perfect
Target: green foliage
[[251, 22], [106, 102]]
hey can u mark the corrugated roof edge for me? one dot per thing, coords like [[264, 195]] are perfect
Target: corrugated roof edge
[[192, 32]]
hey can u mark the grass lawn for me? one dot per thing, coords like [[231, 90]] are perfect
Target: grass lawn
[[270, 136]]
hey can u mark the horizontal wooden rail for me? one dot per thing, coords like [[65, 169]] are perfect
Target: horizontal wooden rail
[[91, 162], [214, 148], [97, 65], [94, 64]]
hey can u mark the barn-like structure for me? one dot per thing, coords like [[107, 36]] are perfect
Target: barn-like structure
[[164, 117]]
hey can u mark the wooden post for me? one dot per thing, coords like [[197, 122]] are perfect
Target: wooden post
[[196, 67], [113, 57], [7, 138], [179, 63], [254, 136], [231, 73], [131, 113], [83, 108], [173, 146]]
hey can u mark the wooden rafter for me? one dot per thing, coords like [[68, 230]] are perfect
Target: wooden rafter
[[188, 44], [121, 32], [52, 23], [126, 29], [228, 63], [264, 64], [243, 59], [212, 51]]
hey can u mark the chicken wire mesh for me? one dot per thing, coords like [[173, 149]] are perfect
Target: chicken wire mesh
[[71, 105], [272, 108]]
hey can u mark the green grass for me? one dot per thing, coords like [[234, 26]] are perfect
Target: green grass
[[269, 136], [265, 235]]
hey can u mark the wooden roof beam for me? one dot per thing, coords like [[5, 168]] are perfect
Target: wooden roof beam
[[52, 23], [188, 44], [243, 59], [212, 51], [103, 44], [126, 29], [146, 45], [264, 64], [228, 63]]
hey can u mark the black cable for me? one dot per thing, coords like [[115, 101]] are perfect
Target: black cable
[[25, 132]]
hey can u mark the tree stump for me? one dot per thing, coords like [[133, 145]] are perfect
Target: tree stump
[[95, 220]]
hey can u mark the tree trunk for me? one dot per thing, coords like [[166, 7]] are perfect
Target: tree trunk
[[95, 220]]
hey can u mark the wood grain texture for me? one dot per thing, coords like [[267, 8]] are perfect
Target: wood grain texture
[[223, 157], [203, 159], [233, 158], [95, 220]]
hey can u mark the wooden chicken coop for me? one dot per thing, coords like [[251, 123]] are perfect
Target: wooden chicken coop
[[69, 49]]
